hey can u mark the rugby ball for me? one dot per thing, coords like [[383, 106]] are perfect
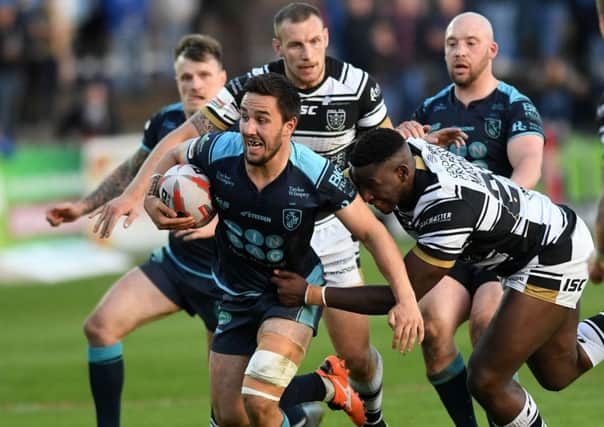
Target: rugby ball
[[186, 190]]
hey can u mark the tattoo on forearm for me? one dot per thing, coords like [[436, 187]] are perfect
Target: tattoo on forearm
[[202, 124], [113, 185]]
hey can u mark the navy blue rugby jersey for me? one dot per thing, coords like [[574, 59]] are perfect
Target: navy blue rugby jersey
[[194, 256], [461, 211], [490, 123], [259, 231], [347, 100]]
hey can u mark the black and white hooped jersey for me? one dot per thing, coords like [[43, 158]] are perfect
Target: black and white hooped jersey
[[490, 123], [462, 211], [259, 231], [347, 100], [195, 256]]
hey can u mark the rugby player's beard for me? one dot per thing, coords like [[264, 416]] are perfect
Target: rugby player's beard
[[266, 157], [472, 75]]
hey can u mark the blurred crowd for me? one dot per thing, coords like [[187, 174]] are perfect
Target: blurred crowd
[[85, 67]]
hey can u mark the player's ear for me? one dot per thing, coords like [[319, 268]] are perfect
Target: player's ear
[[277, 47], [326, 36], [290, 125], [493, 49], [402, 171]]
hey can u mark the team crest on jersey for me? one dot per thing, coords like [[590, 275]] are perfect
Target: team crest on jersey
[[292, 218], [336, 119], [492, 127]]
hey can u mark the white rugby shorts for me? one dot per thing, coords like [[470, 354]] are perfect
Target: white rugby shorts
[[339, 253], [560, 284]]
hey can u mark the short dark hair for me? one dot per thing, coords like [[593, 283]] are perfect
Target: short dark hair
[[376, 146], [295, 12], [198, 47], [273, 84]]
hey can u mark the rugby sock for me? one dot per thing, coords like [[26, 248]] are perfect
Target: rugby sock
[[306, 388], [106, 374], [285, 422], [450, 384], [590, 336], [295, 414], [213, 422], [371, 392], [529, 415]]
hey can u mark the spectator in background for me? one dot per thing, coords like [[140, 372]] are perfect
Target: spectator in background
[[411, 85], [12, 36], [47, 57], [127, 25], [93, 114], [360, 16], [433, 35]]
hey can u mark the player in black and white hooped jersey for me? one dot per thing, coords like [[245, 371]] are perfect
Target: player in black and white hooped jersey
[[456, 210]]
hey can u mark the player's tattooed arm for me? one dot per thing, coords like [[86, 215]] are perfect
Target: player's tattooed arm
[[202, 123], [114, 184]]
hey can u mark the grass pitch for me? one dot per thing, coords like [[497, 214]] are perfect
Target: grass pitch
[[44, 378]]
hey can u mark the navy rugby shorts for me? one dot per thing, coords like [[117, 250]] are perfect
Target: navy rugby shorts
[[194, 292]]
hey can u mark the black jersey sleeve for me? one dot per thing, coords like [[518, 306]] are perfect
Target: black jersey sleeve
[[524, 119], [443, 228], [372, 108], [336, 190]]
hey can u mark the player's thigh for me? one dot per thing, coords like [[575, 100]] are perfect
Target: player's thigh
[[132, 301], [444, 308], [558, 362], [226, 379], [349, 333], [521, 326], [485, 302]]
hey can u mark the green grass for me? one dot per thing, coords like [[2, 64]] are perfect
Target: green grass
[[44, 379]]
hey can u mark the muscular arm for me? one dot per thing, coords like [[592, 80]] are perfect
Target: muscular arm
[[525, 153], [361, 222], [115, 183], [379, 299]]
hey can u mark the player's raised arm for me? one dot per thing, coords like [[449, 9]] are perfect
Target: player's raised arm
[[132, 196]]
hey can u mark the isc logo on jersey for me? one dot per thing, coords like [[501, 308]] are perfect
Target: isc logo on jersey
[[186, 190]]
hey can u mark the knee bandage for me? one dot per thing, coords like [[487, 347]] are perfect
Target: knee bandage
[[271, 368]]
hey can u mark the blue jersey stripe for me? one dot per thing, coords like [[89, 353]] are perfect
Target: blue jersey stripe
[[230, 145], [229, 291], [308, 162], [180, 264], [512, 92], [440, 94]]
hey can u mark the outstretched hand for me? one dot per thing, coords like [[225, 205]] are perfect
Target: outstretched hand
[[110, 213], [442, 137], [406, 321], [596, 268], [291, 287], [64, 212]]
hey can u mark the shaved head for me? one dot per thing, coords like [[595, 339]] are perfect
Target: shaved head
[[470, 23], [470, 50]]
